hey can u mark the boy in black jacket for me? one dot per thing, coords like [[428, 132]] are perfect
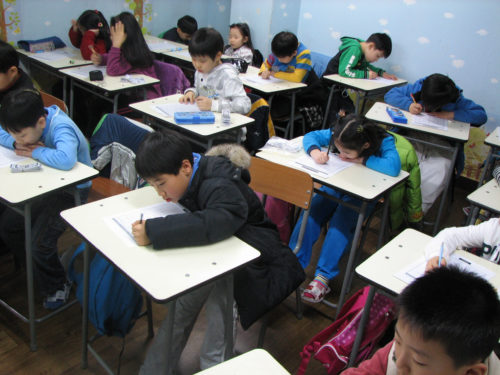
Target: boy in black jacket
[[220, 204]]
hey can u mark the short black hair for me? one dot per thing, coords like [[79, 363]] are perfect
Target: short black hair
[[162, 152], [8, 57], [437, 90], [206, 42], [284, 44], [458, 309], [187, 24], [21, 109], [382, 42]]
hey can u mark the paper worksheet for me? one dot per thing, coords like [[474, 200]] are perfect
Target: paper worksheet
[[385, 81], [51, 55], [83, 71], [121, 224], [164, 46], [259, 80], [169, 109], [424, 119], [333, 166], [7, 157], [417, 268]]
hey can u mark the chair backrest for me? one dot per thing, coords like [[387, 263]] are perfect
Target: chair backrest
[[49, 100], [257, 58], [172, 79], [279, 181], [319, 62]]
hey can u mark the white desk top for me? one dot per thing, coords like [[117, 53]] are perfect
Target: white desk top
[[163, 274], [109, 83], [18, 188], [366, 85], [160, 45], [457, 131], [179, 55], [357, 180], [268, 88], [72, 57], [204, 130], [403, 250], [487, 196], [494, 138], [254, 362]]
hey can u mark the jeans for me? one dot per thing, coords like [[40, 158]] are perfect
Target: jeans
[[47, 226]]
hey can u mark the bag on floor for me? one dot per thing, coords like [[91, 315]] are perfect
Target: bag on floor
[[114, 301], [332, 346]]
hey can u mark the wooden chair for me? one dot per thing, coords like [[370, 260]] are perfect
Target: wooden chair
[[49, 100], [289, 185]]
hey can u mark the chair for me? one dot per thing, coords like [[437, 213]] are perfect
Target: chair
[[289, 185], [49, 100], [257, 58], [319, 62]]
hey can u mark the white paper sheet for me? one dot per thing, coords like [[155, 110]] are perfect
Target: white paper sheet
[[164, 47], [7, 157], [424, 119], [170, 108], [83, 71], [259, 80], [417, 268], [122, 224], [51, 55], [333, 166]]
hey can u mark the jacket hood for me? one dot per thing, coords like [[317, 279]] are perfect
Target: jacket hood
[[237, 154], [348, 41]]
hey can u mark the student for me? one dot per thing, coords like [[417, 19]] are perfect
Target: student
[[12, 77], [437, 95], [449, 324], [485, 236], [240, 42], [220, 204], [129, 52], [90, 31], [49, 136], [186, 27], [214, 81], [354, 61], [357, 141]]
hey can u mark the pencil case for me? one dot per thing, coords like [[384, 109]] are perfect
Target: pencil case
[[204, 117], [396, 115], [41, 45]]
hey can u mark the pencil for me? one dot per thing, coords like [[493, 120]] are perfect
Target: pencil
[[413, 98], [142, 215], [441, 254]]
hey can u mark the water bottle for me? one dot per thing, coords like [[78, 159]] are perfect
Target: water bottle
[[226, 111]]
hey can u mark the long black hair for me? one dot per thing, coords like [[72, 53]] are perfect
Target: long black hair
[[134, 49], [93, 19]]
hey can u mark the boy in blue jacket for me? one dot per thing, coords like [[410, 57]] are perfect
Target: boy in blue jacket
[[438, 96], [47, 135]]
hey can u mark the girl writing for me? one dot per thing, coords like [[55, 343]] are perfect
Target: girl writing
[[91, 30]]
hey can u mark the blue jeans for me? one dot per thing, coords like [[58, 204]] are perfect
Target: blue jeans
[[342, 223], [47, 226]]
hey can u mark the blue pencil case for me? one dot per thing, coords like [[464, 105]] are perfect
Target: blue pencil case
[[203, 117], [396, 115], [45, 44]]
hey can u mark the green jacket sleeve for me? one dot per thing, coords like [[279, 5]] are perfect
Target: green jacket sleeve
[[348, 60]]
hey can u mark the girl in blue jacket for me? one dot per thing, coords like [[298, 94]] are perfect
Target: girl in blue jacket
[[359, 141]]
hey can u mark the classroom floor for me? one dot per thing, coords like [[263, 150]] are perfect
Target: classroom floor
[[59, 339]]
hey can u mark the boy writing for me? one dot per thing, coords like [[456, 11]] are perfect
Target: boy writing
[[220, 204], [449, 324], [186, 27], [213, 80], [51, 137], [11, 76]]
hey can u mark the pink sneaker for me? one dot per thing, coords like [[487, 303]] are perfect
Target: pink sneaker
[[315, 291]]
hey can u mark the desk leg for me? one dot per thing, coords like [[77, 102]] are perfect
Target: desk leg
[[115, 103], [292, 117], [486, 167], [352, 255], [29, 276], [85, 311], [71, 97], [170, 330], [362, 105], [328, 105], [361, 327], [446, 188], [65, 94], [385, 215], [229, 330]]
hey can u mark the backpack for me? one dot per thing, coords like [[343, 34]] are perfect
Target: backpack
[[114, 301], [332, 346]]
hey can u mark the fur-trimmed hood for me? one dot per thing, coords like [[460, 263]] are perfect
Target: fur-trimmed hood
[[237, 154]]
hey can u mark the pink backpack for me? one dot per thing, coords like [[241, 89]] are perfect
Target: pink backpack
[[332, 346]]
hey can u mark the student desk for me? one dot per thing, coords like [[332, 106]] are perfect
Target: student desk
[[457, 134], [165, 274], [257, 361], [366, 88], [207, 132], [487, 197], [357, 181], [271, 89], [160, 45], [19, 191], [108, 89], [379, 269], [493, 140], [50, 63]]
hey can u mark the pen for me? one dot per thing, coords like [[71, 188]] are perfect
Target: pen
[[142, 215], [413, 98], [441, 254], [310, 168]]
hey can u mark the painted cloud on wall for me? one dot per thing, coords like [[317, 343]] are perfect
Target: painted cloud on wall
[[457, 63], [448, 15], [308, 15], [423, 40], [482, 32], [383, 21]]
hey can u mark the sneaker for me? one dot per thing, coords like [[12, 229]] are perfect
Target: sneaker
[[58, 299], [315, 291]]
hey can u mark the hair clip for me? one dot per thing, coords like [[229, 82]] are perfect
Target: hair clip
[[99, 24], [96, 11], [360, 129]]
